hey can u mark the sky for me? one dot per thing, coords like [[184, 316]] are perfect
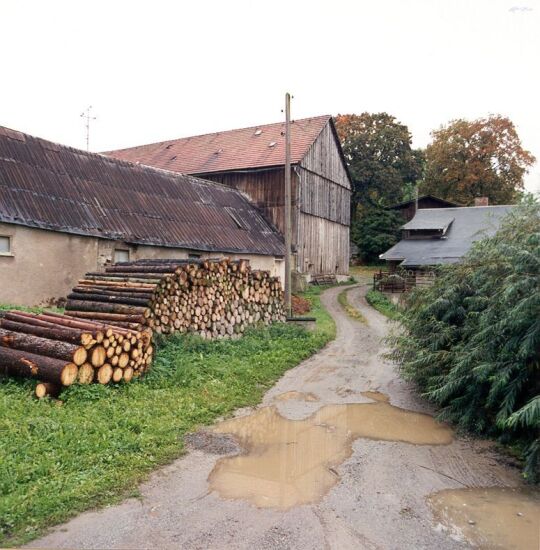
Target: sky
[[166, 69]]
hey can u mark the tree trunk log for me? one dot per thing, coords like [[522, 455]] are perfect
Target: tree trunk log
[[51, 332], [100, 307], [106, 298], [47, 389], [70, 353], [28, 365]]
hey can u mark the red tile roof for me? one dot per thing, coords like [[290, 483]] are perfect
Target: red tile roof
[[55, 187], [254, 147]]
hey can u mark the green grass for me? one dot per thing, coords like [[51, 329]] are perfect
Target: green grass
[[34, 309], [382, 304], [94, 447], [351, 311]]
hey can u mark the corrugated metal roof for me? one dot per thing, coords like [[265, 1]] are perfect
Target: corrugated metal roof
[[55, 187], [470, 224], [255, 147]]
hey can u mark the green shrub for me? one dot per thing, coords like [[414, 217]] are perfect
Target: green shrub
[[382, 304], [472, 340]]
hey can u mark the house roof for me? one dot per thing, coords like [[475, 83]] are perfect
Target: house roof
[[241, 149], [430, 221], [469, 224], [404, 204], [59, 188]]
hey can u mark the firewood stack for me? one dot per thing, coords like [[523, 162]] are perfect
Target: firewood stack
[[214, 298], [60, 350]]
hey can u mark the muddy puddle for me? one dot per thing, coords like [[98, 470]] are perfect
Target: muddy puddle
[[291, 462], [296, 396], [490, 518]]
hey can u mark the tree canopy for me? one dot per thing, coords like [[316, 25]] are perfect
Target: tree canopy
[[379, 155], [471, 340], [479, 158]]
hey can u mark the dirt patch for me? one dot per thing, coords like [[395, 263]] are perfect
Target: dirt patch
[[213, 443], [296, 396], [492, 517], [293, 462], [300, 306]]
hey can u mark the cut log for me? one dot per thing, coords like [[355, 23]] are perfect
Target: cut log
[[100, 307], [47, 389], [28, 365], [86, 374], [118, 374], [70, 353], [104, 374], [105, 298], [98, 356], [106, 317], [52, 332]]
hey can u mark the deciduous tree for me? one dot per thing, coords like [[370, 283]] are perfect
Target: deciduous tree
[[379, 155], [482, 158]]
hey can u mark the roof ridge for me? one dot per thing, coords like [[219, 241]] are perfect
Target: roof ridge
[[166, 141]]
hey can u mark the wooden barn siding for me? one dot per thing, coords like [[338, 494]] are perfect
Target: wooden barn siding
[[325, 247], [265, 188], [324, 198], [324, 158]]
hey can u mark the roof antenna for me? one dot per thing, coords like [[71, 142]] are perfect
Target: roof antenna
[[87, 116]]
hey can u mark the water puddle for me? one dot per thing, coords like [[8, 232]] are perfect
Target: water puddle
[[491, 518], [296, 396], [292, 462]]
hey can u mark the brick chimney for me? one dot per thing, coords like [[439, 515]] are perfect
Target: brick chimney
[[481, 201]]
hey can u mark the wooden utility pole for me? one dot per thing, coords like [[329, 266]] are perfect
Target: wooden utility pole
[[288, 229]]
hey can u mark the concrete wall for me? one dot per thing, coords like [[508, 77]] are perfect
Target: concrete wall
[[45, 265]]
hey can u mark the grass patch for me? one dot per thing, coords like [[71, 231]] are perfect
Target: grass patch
[[30, 309], [382, 304], [351, 311], [94, 447]]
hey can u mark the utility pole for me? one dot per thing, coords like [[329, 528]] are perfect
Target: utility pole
[[86, 115], [288, 229]]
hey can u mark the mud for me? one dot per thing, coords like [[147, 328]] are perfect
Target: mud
[[490, 518], [292, 462], [297, 396]]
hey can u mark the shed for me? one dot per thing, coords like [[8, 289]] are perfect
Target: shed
[[443, 236], [64, 212], [252, 161], [408, 208]]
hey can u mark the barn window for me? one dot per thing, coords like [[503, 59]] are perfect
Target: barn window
[[5, 245], [121, 255]]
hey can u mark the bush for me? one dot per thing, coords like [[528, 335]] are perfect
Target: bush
[[471, 341]]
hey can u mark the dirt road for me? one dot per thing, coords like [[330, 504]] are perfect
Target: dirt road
[[373, 495]]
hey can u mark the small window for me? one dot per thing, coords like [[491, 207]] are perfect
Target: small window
[[194, 256], [5, 245], [121, 255]]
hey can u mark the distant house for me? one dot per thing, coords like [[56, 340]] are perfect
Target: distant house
[[64, 212], [252, 161], [443, 235], [408, 208]]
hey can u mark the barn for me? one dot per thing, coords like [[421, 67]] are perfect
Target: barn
[[252, 160], [65, 212]]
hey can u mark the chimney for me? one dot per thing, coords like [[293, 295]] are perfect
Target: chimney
[[481, 201]]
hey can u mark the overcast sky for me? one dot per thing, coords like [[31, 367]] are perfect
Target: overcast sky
[[157, 70]]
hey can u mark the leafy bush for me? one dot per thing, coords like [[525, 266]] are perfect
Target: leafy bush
[[472, 340]]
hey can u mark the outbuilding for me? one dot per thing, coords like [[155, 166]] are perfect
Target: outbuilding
[[252, 161], [65, 212]]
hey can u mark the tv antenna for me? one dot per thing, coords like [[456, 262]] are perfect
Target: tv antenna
[[88, 117]]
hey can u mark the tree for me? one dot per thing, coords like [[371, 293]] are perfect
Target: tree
[[482, 158], [375, 231], [471, 340], [379, 155]]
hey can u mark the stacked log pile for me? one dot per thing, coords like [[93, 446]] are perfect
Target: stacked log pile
[[214, 298], [106, 333], [60, 350]]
